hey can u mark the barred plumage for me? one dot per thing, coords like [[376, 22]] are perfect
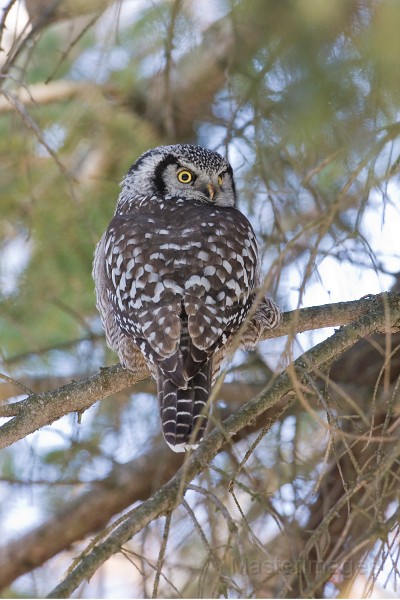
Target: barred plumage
[[176, 273]]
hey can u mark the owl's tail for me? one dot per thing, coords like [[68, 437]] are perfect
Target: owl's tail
[[183, 411]]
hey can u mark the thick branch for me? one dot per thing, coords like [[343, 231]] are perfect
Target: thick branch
[[92, 509], [88, 512], [39, 410], [234, 392], [170, 494], [42, 409], [41, 93]]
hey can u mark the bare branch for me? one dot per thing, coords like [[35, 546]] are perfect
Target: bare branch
[[39, 410], [91, 510], [42, 409], [41, 93], [169, 495], [88, 512]]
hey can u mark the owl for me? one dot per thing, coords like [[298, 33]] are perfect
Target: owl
[[176, 273]]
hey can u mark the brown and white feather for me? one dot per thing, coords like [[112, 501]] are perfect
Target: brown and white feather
[[176, 273]]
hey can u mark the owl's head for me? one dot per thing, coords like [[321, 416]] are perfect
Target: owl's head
[[183, 171]]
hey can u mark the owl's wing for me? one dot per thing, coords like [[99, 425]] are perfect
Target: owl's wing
[[180, 287], [103, 304], [145, 304], [128, 352], [219, 298]]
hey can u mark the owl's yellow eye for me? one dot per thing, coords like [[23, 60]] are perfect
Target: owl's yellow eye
[[185, 176], [220, 180]]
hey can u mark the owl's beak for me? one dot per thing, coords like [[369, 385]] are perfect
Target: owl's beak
[[211, 190]]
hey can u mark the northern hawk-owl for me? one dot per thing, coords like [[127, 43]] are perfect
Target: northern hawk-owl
[[176, 273]]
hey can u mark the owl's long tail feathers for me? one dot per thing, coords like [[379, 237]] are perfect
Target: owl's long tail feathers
[[183, 411]]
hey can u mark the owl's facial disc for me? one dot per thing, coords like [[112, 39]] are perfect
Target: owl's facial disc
[[182, 171], [189, 182]]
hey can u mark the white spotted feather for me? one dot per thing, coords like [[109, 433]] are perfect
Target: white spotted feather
[[176, 273]]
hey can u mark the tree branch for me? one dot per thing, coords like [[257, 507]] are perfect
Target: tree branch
[[235, 392], [126, 484], [41, 93], [171, 493], [89, 512], [39, 410]]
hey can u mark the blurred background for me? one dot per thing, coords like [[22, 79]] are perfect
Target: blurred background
[[303, 98]]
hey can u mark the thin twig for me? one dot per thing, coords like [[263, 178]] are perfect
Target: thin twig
[[161, 555]]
